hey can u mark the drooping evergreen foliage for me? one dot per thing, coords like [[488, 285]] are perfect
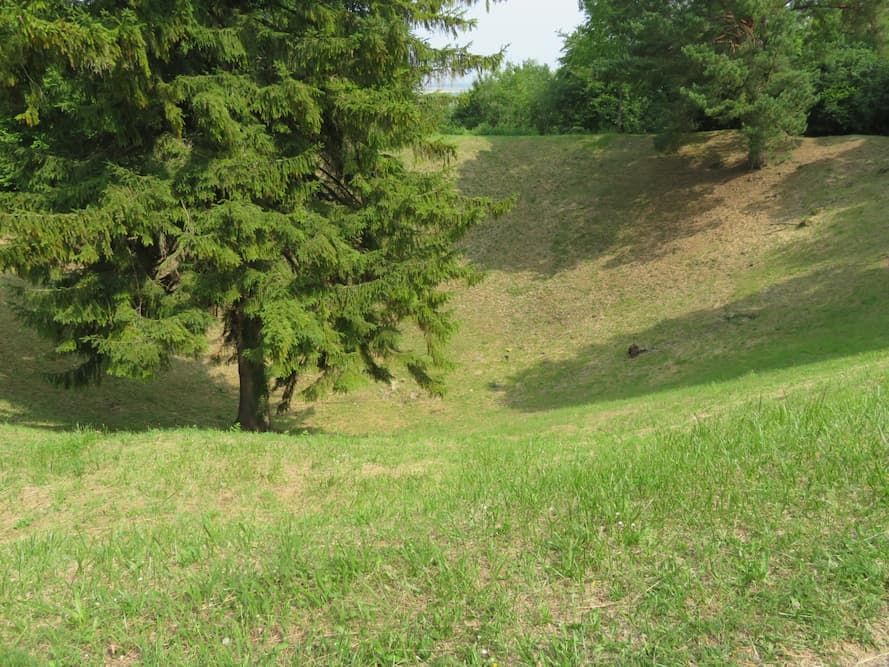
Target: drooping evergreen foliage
[[163, 161]]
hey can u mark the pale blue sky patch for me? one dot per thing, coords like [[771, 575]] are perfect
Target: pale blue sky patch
[[530, 28]]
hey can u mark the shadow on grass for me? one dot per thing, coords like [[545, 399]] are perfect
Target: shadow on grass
[[186, 395], [827, 314], [825, 300], [851, 184], [580, 198]]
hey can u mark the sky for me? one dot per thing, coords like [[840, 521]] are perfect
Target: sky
[[530, 28]]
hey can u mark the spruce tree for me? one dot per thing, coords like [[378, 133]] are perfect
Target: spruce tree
[[167, 162]]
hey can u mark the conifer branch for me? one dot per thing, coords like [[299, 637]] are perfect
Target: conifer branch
[[347, 195]]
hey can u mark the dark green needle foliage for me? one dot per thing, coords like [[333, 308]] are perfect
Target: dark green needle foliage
[[164, 163]]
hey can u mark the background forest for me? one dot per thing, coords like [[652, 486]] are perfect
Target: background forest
[[769, 68]]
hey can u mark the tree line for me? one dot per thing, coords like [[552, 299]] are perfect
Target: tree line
[[770, 68]]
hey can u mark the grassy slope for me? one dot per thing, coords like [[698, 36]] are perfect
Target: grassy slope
[[610, 244], [721, 499]]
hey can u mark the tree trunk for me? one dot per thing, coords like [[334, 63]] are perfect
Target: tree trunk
[[253, 397], [757, 144], [620, 109], [757, 159]]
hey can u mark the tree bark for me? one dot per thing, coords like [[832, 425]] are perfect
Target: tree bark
[[757, 159], [757, 146], [620, 108], [253, 395]]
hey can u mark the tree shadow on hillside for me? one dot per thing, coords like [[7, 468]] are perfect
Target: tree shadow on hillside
[[186, 395], [828, 314], [582, 198], [847, 190], [828, 307]]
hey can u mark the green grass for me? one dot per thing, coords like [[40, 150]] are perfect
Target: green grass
[[611, 244], [722, 499], [756, 536]]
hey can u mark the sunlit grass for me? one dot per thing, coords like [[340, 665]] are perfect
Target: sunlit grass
[[721, 499], [762, 532]]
